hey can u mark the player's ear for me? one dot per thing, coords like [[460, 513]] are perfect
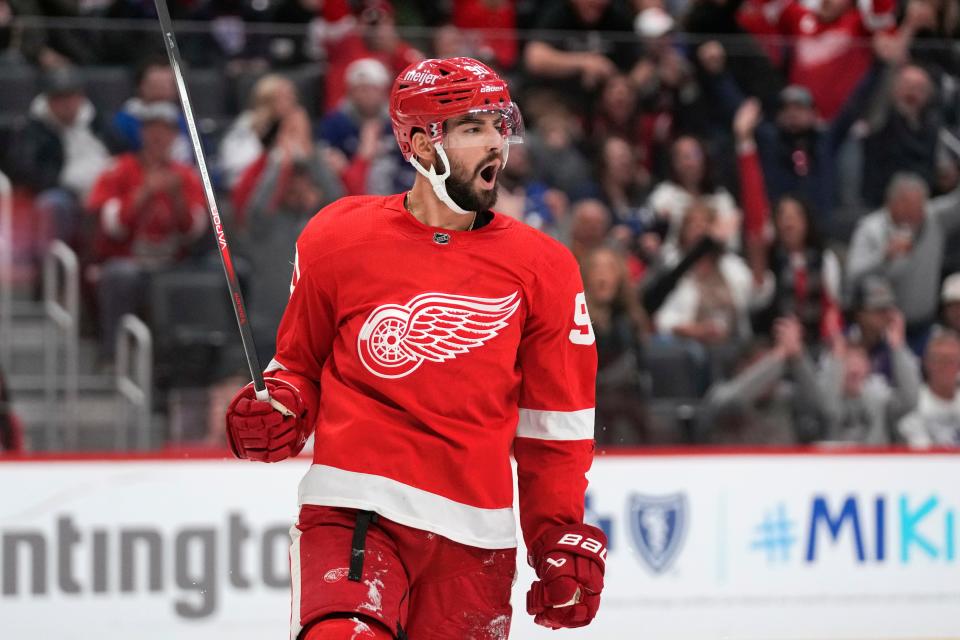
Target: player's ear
[[423, 148]]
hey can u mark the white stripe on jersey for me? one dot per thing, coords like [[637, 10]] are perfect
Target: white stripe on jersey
[[474, 526], [556, 425], [295, 593]]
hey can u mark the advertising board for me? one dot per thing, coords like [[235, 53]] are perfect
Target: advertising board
[[701, 546]]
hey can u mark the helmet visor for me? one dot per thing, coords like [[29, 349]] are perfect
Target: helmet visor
[[486, 128]]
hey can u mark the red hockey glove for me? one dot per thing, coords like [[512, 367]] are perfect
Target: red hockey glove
[[259, 430], [569, 561]]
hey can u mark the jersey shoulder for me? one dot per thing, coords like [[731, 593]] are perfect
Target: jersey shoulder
[[543, 253], [340, 224]]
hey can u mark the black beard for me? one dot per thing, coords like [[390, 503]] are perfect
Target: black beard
[[466, 197]]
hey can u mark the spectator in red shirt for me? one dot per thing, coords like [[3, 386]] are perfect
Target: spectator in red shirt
[[494, 24], [370, 33], [832, 51], [150, 210]]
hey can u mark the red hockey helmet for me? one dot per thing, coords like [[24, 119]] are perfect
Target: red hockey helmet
[[428, 92]]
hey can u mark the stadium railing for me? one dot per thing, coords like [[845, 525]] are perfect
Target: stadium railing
[[134, 381], [61, 295]]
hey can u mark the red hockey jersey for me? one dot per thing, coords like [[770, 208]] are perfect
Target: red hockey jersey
[[158, 228], [437, 353], [829, 58]]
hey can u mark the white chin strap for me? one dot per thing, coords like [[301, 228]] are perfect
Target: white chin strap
[[439, 180]]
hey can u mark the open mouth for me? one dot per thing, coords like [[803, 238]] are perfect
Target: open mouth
[[488, 174]]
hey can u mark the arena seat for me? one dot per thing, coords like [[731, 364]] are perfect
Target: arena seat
[[108, 87], [208, 93], [674, 372], [193, 322], [20, 86], [307, 78]]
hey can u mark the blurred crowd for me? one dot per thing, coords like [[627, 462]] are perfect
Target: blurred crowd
[[763, 195]]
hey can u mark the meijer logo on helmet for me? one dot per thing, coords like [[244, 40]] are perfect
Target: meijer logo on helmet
[[421, 77]]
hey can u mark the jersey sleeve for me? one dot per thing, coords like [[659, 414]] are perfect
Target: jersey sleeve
[[753, 194], [554, 440], [306, 332]]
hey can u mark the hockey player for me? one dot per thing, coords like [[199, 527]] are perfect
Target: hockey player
[[426, 338]]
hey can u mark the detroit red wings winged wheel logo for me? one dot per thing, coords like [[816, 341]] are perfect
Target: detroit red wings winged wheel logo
[[396, 339]]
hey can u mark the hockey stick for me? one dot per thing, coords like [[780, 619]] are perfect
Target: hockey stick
[[239, 310]]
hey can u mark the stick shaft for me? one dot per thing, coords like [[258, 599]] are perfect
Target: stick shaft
[[236, 297]]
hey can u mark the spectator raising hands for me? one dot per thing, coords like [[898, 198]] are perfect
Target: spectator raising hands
[[828, 56], [277, 121], [807, 274], [273, 100]]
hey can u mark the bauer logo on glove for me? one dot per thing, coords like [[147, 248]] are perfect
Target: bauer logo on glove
[[570, 563]]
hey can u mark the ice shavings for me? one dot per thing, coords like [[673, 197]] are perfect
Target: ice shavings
[[361, 629], [499, 627], [374, 599]]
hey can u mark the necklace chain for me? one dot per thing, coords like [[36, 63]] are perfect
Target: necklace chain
[[406, 205]]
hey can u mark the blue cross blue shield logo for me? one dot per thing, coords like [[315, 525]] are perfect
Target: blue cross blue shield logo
[[658, 526]]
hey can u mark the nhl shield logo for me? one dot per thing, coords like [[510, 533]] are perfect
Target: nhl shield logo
[[658, 526]]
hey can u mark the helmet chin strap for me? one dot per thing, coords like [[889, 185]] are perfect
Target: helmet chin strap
[[439, 180]]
